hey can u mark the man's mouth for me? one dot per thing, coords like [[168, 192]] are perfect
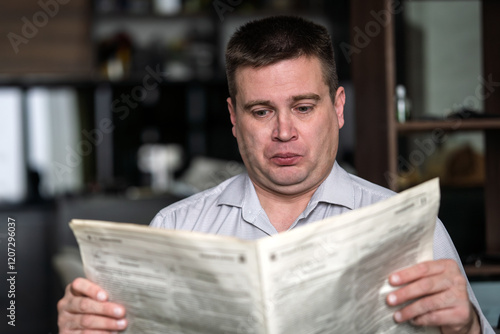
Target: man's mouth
[[286, 159]]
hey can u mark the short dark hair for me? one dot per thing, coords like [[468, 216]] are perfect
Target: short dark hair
[[270, 40]]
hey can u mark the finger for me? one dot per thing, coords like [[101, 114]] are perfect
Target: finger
[[92, 331], [83, 287], [86, 305], [92, 324], [457, 320], [444, 317], [420, 270], [446, 300], [427, 286]]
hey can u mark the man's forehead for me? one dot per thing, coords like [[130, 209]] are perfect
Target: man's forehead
[[307, 84], [313, 60]]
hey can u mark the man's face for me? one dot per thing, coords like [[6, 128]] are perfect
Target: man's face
[[286, 124]]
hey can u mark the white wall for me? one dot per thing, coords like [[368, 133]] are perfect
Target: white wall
[[12, 158], [444, 60]]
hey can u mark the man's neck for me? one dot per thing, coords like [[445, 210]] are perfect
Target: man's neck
[[283, 210]]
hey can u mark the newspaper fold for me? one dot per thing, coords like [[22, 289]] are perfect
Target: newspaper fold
[[326, 277]]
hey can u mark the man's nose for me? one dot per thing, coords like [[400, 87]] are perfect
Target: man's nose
[[284, 127]]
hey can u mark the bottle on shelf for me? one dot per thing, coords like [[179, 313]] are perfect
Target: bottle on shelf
[[402, 104]]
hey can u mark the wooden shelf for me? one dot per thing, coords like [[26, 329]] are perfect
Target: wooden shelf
[[95, 80], [490, 270], [449, 125], [127, 16]]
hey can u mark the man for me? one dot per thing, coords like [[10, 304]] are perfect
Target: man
[[286, 109]]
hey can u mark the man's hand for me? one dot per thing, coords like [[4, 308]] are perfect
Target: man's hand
[[443, 302], [85, 309]]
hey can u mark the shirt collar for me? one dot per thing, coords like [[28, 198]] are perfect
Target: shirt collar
[[337, 189], [241, 193], [235, 192]]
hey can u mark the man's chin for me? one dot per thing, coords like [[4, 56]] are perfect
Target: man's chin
[[290, 183], [286, 180]]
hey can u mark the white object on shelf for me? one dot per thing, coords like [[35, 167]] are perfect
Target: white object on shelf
[[402, 104], [161, 161], [167, 7]]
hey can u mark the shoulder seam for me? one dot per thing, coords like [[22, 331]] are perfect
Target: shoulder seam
[[370, 190]]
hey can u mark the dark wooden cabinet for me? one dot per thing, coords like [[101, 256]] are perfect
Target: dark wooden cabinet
[[48, 37], [374, 79]]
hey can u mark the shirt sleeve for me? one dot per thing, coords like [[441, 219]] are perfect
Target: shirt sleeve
[[162, 220], [444, 249]]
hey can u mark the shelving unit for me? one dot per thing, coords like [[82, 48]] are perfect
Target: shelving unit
[[448, 125], [45, 40], [374, 78], [198, 100], [484, 270]]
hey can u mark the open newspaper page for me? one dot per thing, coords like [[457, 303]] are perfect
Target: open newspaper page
[[331, 277], [327, 277], [172, 281]]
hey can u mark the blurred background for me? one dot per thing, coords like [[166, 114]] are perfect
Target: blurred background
[[113, 109]]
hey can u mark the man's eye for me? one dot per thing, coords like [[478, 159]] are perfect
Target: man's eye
[[261, 113], [304, 109]]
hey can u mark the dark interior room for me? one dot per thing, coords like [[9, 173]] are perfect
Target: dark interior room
[[115, 109]]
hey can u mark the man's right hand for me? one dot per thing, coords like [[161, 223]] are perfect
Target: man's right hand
[[85, 309]]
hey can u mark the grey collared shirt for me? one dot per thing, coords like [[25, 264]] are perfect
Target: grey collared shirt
[[233, 208]]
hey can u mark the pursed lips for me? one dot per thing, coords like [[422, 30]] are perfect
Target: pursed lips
[[286, 158]]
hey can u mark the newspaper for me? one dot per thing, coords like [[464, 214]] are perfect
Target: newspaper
[[326, 277]]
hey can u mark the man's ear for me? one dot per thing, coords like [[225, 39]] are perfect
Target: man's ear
[[339, 106], [232, 114]]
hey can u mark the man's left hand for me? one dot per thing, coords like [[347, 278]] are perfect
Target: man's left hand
[[442, 295]]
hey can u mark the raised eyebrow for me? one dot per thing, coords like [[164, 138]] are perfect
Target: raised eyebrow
[[251, 104], [311, 96]]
